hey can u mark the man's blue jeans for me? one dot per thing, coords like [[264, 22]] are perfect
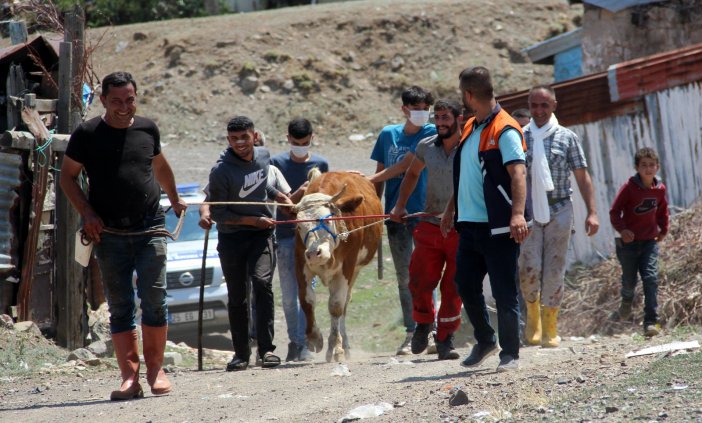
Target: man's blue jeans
[[479, 253], [641, 257], [401, 245], [119, 257], [294, 316]]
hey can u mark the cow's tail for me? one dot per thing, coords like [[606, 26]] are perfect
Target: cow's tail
[[313, 174]]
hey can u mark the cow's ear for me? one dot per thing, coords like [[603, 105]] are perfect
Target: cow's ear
[[349, 204]]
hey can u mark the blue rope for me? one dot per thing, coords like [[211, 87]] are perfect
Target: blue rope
[[320, 225], [42, 159]]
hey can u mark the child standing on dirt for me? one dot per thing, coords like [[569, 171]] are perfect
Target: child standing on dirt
[[640, 215]]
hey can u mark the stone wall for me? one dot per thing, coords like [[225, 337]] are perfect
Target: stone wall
[[638, 31]]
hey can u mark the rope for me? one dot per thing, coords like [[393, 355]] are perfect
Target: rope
[[345, 235], [238, 203], [42, 160], [149, 232]]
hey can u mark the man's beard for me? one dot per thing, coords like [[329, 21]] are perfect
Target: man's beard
[[452, 130]]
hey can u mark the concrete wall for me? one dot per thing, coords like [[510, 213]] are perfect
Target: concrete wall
[[610, 38], [672, 125]]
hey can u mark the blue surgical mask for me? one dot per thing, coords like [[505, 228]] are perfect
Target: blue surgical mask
[[300, 151]]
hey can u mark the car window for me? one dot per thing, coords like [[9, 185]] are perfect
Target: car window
[[191, 231]]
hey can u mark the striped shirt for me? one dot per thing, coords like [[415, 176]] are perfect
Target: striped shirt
[[564, 154]]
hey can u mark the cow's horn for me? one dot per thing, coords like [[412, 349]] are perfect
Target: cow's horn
[[338, 194]]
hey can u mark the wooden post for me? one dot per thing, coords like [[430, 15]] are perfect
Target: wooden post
[[16, 84], [63, 108], [18, 32], [381, 264], [75, 34], [70, 280]]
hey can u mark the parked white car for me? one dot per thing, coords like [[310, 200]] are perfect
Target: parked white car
[[184, 267]]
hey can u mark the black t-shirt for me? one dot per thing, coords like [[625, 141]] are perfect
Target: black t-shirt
[[122, 186]]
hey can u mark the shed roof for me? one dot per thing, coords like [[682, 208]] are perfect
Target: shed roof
[[39, 45], [615, 6], [544, 51], [588, 99]]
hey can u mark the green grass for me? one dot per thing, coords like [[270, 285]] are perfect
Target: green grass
[[22, 353], [374, 318], [667, 384]]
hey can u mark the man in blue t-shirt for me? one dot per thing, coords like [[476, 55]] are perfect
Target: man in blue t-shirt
[[294, 165], [393, 152], [488, 209]]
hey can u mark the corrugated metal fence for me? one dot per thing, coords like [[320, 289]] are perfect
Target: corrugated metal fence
[[671, 124], [10, 173]]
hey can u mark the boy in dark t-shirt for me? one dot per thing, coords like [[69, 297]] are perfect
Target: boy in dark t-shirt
[[294, 164]]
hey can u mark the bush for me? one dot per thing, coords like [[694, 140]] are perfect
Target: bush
[[118, 12]]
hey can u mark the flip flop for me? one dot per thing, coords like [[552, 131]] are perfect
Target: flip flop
[[270, 360]]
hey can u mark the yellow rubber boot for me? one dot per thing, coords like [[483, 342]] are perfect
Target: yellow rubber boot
[[533, 324], [549, 319]]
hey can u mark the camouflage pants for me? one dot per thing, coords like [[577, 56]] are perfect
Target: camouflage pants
[[542, 262]]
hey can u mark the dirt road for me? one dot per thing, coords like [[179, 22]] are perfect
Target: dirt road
[[418, 388]]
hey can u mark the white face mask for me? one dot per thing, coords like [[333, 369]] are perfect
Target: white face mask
[[419, 117], [300, 150]]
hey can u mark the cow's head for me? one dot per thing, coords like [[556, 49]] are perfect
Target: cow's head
[[321, 236]]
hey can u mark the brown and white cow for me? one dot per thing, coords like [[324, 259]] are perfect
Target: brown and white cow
[[320, 250]]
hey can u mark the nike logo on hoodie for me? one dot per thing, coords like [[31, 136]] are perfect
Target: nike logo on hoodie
[[252, 181]]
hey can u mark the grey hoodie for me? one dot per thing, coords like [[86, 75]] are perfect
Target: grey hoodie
[[236, 180]]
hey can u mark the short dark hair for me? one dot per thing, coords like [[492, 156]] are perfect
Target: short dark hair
[[299, 128], [117, 79], [521, 113], [240, 123], [544, 87], [477, 81], [645, 153], [450, 105], [415, 95]]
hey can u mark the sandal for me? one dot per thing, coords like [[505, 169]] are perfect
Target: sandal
[[270, 360]]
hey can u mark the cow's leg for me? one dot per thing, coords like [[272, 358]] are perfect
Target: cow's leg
[[315, 342], [345, 338], [338, 297]]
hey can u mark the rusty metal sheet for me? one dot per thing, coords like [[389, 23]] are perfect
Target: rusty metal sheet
[[580, 100], [636, 78]]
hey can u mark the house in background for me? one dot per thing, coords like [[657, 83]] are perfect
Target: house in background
[[563, 51], [615, 31]]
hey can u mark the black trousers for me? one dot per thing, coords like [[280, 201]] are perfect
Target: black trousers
[[249, 255]]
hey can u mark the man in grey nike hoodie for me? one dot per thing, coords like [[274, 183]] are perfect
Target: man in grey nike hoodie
[[245, 233]]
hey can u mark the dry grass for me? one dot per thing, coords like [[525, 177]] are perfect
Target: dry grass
[[592, 293]]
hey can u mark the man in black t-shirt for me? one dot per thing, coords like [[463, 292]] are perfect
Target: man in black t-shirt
[[121, 154]]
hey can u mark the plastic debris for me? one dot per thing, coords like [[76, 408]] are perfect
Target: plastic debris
[[673, 346], [481, 415], [366, 411], [341, 369], [395, 362]]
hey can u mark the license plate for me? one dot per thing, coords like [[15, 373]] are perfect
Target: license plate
[[190, 316]]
